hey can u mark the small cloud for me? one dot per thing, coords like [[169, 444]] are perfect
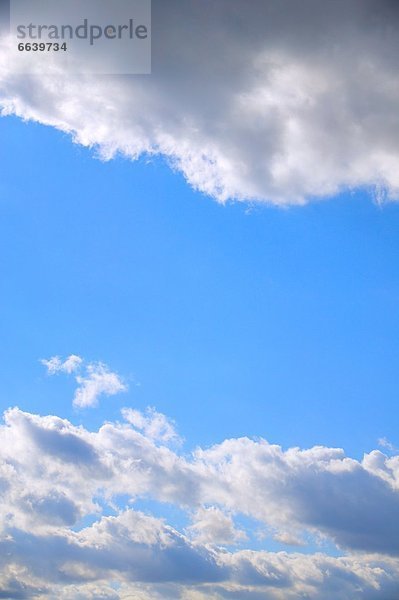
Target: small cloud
[[154, 425], [289, 539], [95, 379], [55, 365], [98, 381], [385, 443]]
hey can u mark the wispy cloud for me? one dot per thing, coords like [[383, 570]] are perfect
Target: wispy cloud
[[56, 365], [385, 443], [153, 424]]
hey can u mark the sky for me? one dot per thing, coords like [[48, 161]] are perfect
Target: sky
[[199, 293]]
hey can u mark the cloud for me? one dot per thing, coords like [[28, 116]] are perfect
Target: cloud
[[61, 487], [97, 379], [274, 101], [385, 443], [319, 490], [56, 365], [155, 425], [212, 526], [150, 560]]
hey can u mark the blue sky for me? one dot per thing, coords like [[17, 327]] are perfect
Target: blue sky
[[199, 291], [234, 320]]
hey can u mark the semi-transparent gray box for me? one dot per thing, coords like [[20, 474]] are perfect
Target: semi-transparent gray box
[[81, 36]]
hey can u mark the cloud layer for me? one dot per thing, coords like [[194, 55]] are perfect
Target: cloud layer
[[61, 489], [271, 101]]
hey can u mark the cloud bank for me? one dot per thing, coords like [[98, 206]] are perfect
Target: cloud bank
[[65, 531], [280, 102]]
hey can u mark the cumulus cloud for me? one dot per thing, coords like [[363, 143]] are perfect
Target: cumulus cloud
[[271, 101], [95, 380], [60, 494]]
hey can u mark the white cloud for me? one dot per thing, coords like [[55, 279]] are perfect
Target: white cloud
[[56, 365], [274, 101], [97, 379], [154, 425], [150, 560], [385, 443], [213, 526], [67, 469], [56, 477]]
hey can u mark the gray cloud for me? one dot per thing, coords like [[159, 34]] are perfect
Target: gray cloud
[[345, 505], [320, 490], [151, 560], [56, 476], [272, 101]]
